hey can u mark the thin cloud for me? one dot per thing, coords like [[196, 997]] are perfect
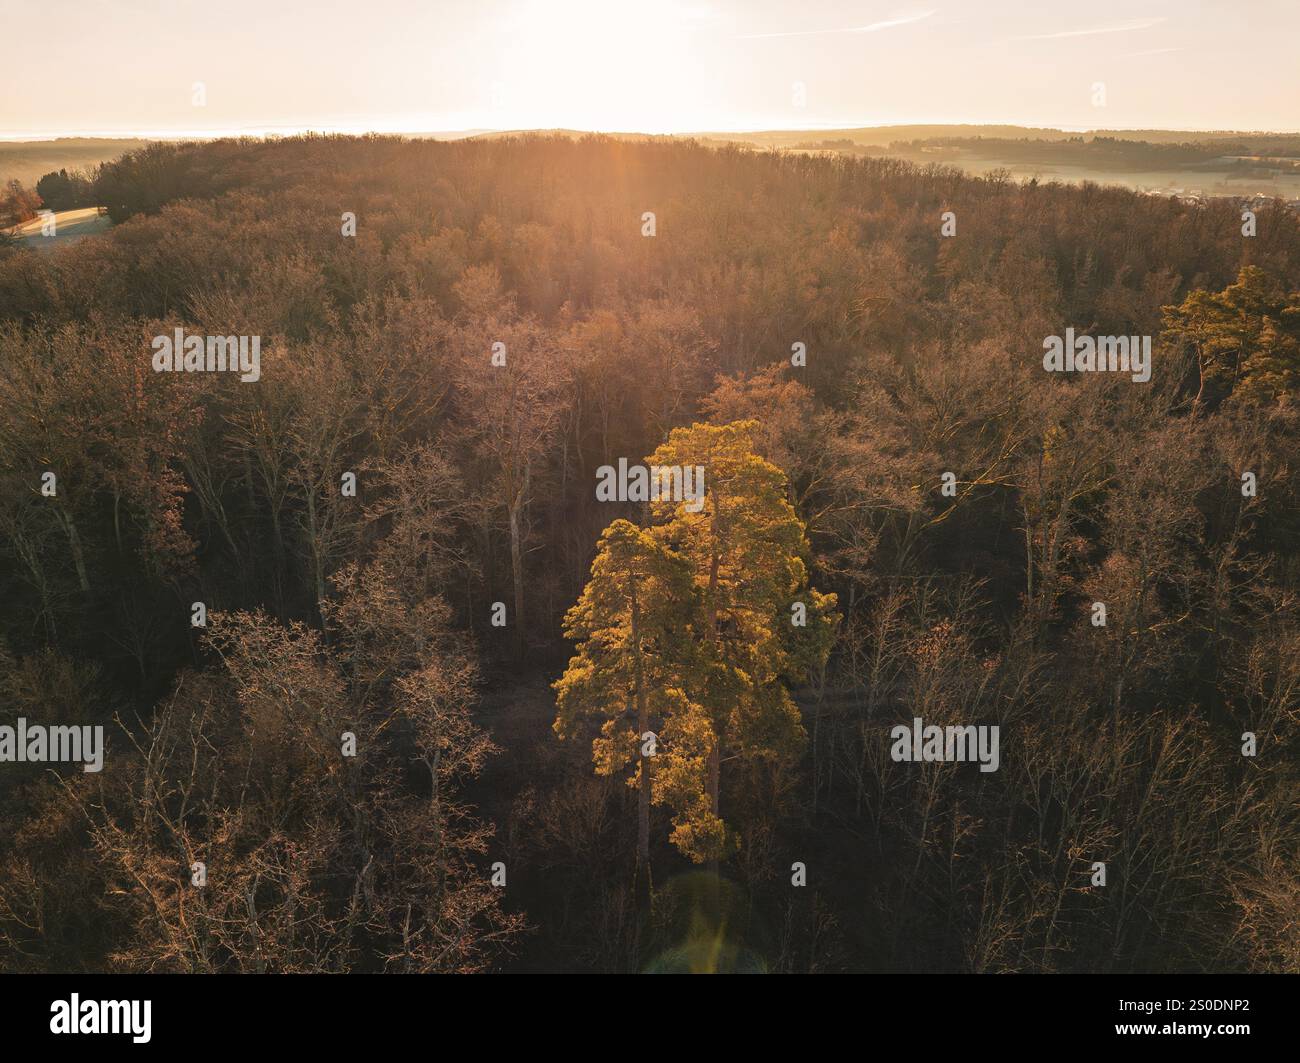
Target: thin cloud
[[902, 20], [1118, 27]]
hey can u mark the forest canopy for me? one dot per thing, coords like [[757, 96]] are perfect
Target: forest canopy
[[496, 323]]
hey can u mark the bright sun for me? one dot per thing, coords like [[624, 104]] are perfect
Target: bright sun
[[601, 65]]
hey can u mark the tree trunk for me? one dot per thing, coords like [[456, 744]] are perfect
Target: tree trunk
[[517, 502], [517, 570], [715, 779], [715, 753], [315, 537], [1200, 390], [647, 769], [78, 557]]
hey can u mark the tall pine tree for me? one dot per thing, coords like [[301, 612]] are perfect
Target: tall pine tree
[[630, 662], [699, 624]]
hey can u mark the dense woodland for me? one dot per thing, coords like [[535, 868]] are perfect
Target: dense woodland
[[480, 745]]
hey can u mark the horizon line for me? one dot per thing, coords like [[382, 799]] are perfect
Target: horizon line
[[263, 132]]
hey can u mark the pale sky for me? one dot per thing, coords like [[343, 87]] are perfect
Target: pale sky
[[130, 66]]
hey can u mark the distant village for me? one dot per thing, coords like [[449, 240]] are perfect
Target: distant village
[[1197, 197]]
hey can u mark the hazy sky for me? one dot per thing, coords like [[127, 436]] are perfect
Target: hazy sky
[[130, 66]]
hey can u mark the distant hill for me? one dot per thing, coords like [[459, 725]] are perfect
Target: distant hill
[[1192, 163], [29, 160], [1221, 141], [883, 136]]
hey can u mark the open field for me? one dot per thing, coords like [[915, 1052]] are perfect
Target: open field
[[1224, 180], [69, 227]]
